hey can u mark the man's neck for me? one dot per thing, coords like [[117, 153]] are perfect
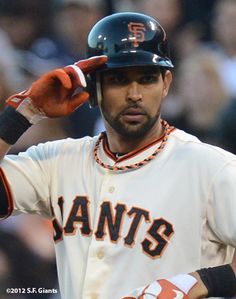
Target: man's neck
[[123, 145]]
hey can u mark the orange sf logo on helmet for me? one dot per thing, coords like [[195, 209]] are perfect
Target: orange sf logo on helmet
[[137, 30]]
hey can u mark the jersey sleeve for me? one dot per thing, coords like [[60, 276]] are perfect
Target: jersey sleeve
[[222, 204], [25, 181]]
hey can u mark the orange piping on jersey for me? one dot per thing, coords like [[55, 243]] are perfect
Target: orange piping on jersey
[[8, 192], [107, 149], [167, 130], [133, 153], [142, 149]]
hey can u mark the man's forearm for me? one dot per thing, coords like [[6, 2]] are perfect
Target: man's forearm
[[4, 148], [199, 290], [233, 264]]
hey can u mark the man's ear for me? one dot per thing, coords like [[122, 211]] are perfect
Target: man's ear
[[167, 82]]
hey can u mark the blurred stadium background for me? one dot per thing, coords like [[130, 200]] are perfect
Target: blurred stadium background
[[37, 36]]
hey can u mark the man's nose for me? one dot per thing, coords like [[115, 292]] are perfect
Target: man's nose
[[134, 92]]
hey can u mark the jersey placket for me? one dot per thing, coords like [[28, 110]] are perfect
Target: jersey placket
[[99, 259]]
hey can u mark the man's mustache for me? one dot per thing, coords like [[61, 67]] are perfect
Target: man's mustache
[[133, 108]]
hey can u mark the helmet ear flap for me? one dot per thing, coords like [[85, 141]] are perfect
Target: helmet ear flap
[[92, 90]]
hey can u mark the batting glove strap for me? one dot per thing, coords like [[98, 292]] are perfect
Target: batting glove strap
[[184, 282], [29, 111]]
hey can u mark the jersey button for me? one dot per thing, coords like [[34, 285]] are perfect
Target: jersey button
[[100, 255], [111, 189], [94, 296]]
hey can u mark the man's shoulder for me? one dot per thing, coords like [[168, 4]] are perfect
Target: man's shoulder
[[63, 147], [192, 145]]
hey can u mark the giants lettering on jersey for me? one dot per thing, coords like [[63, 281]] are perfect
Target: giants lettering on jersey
[[110, 222]]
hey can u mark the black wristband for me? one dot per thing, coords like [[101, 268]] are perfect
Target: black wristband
[[12, 125], [220, 281]]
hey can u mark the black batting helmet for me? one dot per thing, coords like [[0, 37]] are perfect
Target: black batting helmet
[[128, 39]]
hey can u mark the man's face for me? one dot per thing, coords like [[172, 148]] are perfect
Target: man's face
[[131, 99]]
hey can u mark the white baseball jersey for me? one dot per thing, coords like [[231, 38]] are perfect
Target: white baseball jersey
[[119, 230]]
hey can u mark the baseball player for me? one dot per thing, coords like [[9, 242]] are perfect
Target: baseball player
[[144, 210]]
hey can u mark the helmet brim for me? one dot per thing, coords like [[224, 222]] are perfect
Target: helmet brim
[[136, 58]]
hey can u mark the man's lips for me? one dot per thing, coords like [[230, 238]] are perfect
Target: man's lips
[[133, 114], [133, 111]]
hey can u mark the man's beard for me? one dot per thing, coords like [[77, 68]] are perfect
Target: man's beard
[[131, 130]]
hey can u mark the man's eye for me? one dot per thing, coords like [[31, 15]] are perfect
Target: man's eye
[[148, 79], [117, 79]]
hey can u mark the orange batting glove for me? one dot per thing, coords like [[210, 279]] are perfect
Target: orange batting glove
[[54, 93], [176, 287]]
